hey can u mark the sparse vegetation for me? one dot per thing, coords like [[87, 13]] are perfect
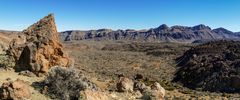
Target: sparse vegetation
[[106, 65], [6, 62], [66, 84]]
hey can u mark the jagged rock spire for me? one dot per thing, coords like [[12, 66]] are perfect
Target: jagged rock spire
[[45, 27], [42, 48]]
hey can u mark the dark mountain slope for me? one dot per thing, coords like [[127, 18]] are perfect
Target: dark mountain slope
[[213, 66]]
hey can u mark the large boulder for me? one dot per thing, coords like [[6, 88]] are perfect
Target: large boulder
[[17, 90], [125, 85], [157, 92], [41, 48], [140, 90]]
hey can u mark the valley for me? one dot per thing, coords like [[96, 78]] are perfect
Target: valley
[[39, 64]]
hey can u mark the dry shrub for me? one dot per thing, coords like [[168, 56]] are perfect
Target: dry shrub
[[66, 84], [6, 62]]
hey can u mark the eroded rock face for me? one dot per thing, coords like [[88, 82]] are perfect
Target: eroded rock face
[[213, 66], [41, 48], [17, 90], [16, 46]]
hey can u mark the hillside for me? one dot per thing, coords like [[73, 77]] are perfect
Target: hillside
[[161, 33], [196, 34], [213, 66]]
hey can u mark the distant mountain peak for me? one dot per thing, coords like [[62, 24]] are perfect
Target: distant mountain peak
[[104, 29], [222, 30], [201, 27], [163, 27], [162, 33]]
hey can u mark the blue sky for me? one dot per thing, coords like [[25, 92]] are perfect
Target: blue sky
[[120, 14]]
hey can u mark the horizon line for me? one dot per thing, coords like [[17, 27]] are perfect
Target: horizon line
[[115, 29]]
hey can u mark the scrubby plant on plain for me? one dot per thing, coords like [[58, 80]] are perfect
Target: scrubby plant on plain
[[66, 83], [6, 62]]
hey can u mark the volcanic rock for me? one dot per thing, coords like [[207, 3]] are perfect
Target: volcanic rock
[[158, 87], [214, 66], [17, 90], [140, 86], [16, 47], [125, 85], [157, 92], [41, 48]]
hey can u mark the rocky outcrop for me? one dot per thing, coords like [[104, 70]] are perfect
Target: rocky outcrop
[[157, 87], [156, 92], [140, 86], [153, 92], [161, 33], [40, 48], [17, 90], [16, 47], [213, 66], [125, 85]]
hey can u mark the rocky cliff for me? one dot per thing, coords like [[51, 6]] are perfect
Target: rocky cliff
[[161, 33]]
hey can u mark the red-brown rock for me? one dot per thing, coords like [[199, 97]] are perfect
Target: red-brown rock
[[17, 90], [42, 48]]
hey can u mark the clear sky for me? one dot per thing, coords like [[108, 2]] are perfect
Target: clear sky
[[120, 14]]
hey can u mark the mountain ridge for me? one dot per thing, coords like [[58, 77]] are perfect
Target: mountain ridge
[[163, 33]]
